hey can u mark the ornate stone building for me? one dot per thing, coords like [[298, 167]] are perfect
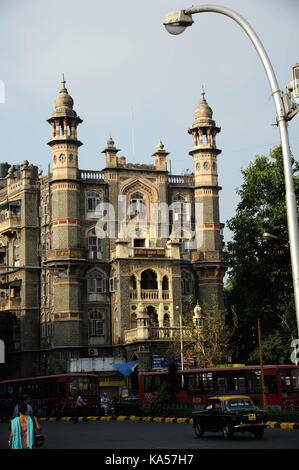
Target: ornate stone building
[[73, 291]]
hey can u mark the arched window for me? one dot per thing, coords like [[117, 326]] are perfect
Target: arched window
[[93, 199], [165, 284], [133, 283], [186, 283], [137, 204], [154, 321], [94, 245], [96, 286], [16, 252], [179, 205], [96, 323], [149, 280]]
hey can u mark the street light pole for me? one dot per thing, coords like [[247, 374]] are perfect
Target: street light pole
[[262, 366], [175, 23], [181, 336]]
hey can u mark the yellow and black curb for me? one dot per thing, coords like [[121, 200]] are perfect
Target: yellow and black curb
[[149, 419]]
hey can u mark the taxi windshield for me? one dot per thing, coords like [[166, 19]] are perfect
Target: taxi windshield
[[239, 403]]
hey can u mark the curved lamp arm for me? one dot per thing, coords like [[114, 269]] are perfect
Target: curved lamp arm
[[281, 123]]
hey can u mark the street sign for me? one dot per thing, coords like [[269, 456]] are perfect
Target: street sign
[[161, 362]]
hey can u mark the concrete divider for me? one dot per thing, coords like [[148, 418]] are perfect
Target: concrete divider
[[157, 419]]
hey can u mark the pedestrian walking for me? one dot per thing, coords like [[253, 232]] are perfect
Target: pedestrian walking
[[22, 429], [29, 410], [79, 408]]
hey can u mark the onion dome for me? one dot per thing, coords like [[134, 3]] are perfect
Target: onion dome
[[110, 142], [160, 145], [160, 150], [64, 100], [203, 110], [64, 104]]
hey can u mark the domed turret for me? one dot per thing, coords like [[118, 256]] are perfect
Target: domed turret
[[64, 142], [160, 156], [110, 142], [64, 100], [203, 110]]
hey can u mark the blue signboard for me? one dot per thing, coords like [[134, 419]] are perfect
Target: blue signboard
[[161, 362]]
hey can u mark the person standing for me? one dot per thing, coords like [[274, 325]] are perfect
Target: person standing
[[22, 429], [79, 408], [29, 410]]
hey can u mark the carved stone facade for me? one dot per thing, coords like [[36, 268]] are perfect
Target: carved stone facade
[[71, 288]]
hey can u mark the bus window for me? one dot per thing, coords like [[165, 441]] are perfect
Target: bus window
[[194, 383], [295, 379], [240, 384], [289, 380], [61, 389], [286, 381], [82, 386], [221, 384], [270, 383], [207, 382]]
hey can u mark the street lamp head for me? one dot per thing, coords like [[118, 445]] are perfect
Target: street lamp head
[[268, 236], [177, 21], [295, 80]]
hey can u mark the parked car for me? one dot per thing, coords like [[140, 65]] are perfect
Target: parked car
[[230, 414]]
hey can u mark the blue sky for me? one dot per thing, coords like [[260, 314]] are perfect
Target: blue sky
[[117, 57]]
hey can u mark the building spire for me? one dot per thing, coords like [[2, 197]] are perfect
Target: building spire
[[63, 82]]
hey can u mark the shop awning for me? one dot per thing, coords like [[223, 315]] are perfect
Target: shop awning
[[127, 368]]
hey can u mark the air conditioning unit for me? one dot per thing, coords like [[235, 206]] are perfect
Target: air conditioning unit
[[93, 352]]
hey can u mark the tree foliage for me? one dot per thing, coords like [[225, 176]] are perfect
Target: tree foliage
[[260, 279], [209, 342]]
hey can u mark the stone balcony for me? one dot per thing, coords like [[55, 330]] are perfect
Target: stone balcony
[[149, 294], [9, 223], [10, 304], [153, 334]]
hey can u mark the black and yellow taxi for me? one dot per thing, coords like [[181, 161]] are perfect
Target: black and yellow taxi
[[229, 414]]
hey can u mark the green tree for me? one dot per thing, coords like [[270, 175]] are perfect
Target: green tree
[[209, 341], [260, 278]]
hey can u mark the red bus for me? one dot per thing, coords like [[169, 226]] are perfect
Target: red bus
[[53, 395], [196, 385]]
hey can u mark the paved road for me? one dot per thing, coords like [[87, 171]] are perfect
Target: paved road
[[139, 435]]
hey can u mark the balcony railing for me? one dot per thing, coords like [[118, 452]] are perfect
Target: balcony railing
[[91, 175], [150, 294], [184, 180]]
